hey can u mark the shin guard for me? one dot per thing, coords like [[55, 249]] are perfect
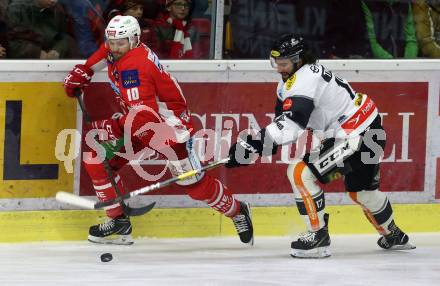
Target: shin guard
[[104, 188], [309, 196], [377, 208]]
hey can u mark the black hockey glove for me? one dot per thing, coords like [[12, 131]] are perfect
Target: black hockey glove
[[240, 153]]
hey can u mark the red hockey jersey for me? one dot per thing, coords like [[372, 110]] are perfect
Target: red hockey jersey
[[139, 80]]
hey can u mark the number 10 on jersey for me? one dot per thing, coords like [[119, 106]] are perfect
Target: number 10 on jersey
[[133, 94]]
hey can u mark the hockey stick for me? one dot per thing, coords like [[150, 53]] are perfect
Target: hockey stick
[[72, 199], [126, 209]]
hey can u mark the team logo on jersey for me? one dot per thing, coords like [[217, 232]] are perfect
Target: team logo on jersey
[[287, 104], [130, 79], [290, 82], [314, 68]]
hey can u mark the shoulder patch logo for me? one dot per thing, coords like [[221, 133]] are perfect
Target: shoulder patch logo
[[290, 82], [358, 100], [287, 104], [130, 78]]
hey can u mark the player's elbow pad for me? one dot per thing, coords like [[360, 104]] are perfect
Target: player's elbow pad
[[283, 130]]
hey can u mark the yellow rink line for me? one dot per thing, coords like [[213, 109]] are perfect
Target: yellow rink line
[[24, 226]]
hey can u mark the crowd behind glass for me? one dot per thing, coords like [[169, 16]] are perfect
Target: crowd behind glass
[[182, 29]]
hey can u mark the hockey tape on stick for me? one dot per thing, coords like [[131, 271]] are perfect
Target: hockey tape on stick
[[75, 200], [78, 201]]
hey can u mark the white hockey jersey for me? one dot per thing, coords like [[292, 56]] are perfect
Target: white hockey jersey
[[334, 108]]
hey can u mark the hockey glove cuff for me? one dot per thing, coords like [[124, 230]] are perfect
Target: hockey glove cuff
[[79, 77]]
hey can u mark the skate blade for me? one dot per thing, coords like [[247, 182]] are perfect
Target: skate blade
[[250, 243], [113, 239], [406, 246], [320, 252]]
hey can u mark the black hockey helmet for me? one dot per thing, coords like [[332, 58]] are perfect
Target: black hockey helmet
[[288, 47]]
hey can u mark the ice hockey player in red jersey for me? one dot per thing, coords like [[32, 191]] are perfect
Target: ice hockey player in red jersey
[[154, 116], [309, 96]]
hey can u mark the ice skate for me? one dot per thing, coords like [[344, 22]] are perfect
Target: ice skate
[[312, 244], [243, 224], [114, 231], [396, 240]]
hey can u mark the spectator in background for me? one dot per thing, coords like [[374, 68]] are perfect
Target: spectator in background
[[427, 23], [138, 9], [174, 32], [390, 28], [345, 37], [38, 29], [88, 23]]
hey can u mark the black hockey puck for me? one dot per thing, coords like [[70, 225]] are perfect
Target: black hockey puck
[[106, 257]]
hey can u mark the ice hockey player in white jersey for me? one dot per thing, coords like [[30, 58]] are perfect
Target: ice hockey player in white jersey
[[309, 96]]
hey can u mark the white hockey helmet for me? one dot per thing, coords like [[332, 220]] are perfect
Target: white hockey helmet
[[121, 27]]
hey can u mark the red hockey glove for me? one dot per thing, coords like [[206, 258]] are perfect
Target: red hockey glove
[[78, 77], [112, 127]]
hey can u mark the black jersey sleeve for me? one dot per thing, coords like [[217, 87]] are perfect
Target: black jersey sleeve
[[299, 109]]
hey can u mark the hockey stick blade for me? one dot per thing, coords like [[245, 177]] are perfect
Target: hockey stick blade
[[81, 202], [138, 211]]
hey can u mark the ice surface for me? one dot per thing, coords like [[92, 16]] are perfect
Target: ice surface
[[356, 260]]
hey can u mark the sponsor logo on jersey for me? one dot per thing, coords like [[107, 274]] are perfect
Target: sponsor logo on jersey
[[287, 104], [367, 108], [130, 79], [290, 82], [314, 68], [361, 115], [354, 121], [342, 118]]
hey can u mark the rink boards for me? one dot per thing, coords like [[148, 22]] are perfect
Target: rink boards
[[225, 97], [24, 226]]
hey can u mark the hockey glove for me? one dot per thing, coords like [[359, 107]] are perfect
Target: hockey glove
[[79, 77], [240, 152], [112, 127]]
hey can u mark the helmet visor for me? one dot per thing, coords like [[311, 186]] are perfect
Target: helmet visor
[[275, 57]]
